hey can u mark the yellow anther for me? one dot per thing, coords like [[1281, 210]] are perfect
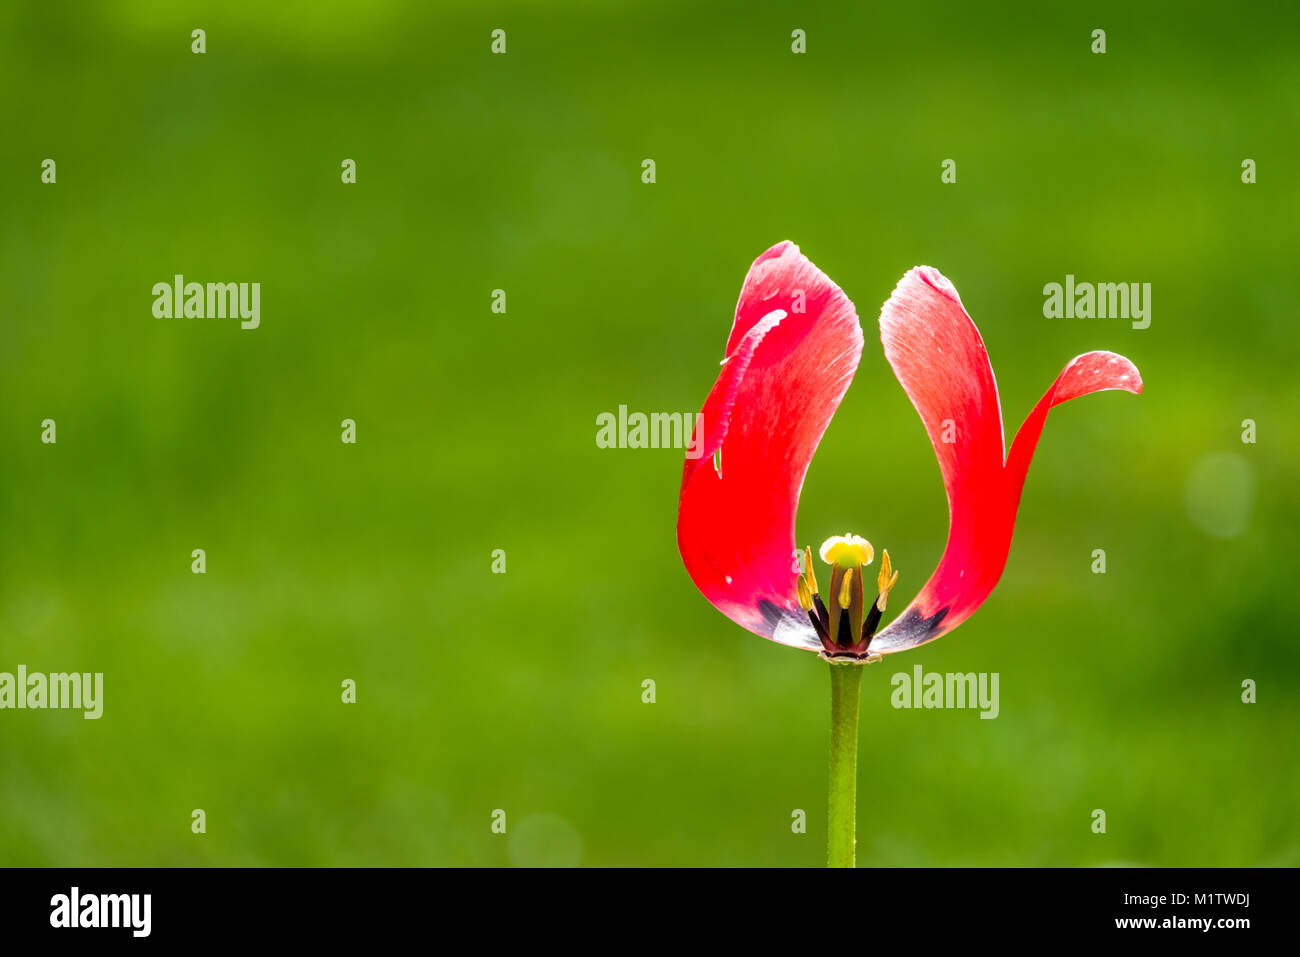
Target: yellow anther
[[846, 588], [847, 551], [805, 594], [885, 581], [808, 569]]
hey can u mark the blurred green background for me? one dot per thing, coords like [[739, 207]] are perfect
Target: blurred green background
[[476, 431]]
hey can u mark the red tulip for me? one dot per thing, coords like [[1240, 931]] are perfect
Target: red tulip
[[792, 352], [785, 371]]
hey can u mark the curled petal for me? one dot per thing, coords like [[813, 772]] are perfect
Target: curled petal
[[938, 355], [793, 349]]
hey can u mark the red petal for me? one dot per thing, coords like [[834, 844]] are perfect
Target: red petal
[[782, 380], [939, 358]]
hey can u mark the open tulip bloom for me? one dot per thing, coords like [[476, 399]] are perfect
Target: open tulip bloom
[[793, 349]]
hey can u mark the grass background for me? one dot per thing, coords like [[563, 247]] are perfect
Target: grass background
[[476, 431]]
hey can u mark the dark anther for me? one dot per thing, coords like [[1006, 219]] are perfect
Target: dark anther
[[845, 639], [871, 622], [822, 614], [818, 627]]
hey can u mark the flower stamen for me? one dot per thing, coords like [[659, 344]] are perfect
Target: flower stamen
[[805, 594], [844, 630], [885, 582]]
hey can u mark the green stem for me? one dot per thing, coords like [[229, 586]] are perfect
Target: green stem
[[841, 816]]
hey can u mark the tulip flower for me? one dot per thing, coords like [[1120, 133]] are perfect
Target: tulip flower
[[794, 347]]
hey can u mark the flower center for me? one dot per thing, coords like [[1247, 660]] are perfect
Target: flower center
[[844, 625]]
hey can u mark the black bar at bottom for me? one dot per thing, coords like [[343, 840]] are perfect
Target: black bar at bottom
[[177, 906]]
